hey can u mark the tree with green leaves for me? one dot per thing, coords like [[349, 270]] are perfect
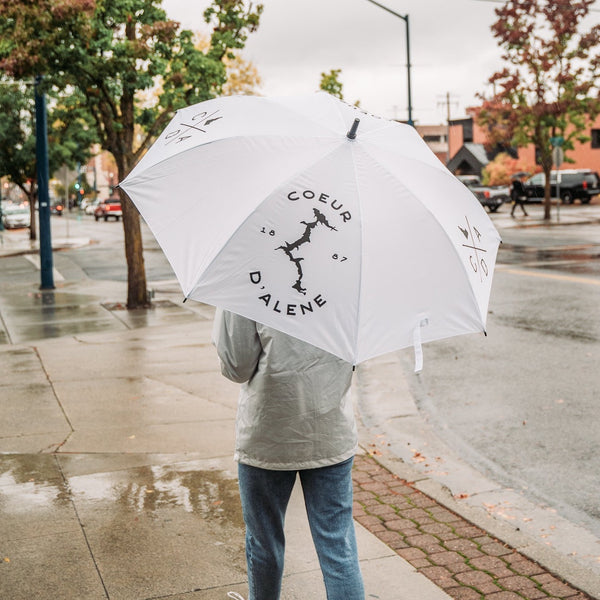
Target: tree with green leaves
[[108, 53], [331, 84], [70, 136], [549, 85]]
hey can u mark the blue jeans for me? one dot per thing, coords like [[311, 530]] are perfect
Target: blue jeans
[[328, 499]]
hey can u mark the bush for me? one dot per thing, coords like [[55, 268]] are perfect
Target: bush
[[500, 170]]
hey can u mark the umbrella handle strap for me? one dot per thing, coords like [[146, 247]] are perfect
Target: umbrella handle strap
[[417, 343]]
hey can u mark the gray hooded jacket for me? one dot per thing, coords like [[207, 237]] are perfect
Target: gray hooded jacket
[[294, 410]]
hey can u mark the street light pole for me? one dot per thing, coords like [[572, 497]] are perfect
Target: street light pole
[[41, 155], [408, 64], [1, 221]]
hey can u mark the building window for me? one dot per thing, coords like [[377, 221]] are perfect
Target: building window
[[434, 138], [595, 138]]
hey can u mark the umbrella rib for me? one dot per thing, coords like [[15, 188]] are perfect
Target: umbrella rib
[[360, 266]]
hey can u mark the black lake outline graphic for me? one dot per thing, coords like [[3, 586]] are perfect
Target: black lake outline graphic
[[288, 248]]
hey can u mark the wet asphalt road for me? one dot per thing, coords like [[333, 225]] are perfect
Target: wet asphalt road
[[519, 405]]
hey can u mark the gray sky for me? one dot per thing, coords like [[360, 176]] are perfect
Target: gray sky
[[452, 50]]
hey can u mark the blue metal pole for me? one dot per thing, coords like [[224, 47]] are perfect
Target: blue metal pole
[[43, 177], [1, 222]]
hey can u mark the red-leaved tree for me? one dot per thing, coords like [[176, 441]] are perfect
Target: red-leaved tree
[[549, 85]]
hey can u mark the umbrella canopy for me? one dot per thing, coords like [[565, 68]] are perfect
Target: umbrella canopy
[[350, 236]]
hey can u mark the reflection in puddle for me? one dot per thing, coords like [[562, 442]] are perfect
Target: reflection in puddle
[[580, 258], [210, 494], [28, 496], [18, 497]]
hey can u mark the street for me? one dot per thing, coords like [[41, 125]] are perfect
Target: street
[[517, 406], [521, 404]]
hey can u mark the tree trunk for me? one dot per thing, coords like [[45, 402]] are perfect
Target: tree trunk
[[547, 167], [31, 197], [547, 199], [137, 291]]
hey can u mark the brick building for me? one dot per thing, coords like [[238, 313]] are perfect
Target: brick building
[[468, 154]]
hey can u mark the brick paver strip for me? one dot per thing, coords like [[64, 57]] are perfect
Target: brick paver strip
[[459, 557]]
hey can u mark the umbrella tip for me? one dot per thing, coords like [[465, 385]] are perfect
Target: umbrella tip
[[352, 133]]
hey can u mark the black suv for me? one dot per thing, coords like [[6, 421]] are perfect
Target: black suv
[[574, 184]]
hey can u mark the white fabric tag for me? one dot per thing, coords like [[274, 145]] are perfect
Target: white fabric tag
[[423, 321]]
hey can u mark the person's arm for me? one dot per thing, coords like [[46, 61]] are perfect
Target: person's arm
[[238, 345]]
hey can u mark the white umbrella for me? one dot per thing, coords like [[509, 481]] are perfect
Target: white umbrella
[[350, 235]]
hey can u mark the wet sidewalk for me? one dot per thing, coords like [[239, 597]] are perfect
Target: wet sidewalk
[[116, 476], [116, 471]]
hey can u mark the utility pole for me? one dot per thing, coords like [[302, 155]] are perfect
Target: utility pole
[[447, 102], [43, 177]]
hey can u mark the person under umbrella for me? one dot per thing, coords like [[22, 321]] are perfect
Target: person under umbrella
[[290, 214], [295, 418]]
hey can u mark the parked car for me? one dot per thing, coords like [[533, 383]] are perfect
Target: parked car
[[111, 207], [56, 208], [14, 217], [490, 196], [582, 184]]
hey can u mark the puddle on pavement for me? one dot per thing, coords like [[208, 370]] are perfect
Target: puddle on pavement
[[52, 314], [55, 329], [30, 482], [581, 259], [47, 298], [210, 494]]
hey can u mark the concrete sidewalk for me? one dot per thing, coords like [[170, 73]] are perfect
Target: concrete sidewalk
[[116, 471], [116, 476]]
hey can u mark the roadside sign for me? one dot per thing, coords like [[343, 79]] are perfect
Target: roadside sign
[[558, 156]]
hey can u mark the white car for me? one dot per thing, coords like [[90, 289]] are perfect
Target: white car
[[14, 217], [90, 207]]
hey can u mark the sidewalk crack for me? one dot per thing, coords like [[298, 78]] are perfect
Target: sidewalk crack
[[81, 526]]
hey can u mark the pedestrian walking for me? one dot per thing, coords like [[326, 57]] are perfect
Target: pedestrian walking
[[295, 418], [518, 195]]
